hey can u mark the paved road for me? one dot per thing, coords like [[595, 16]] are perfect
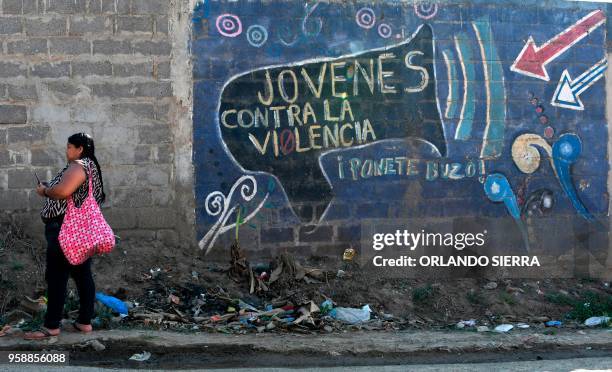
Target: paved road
[[580, 364]]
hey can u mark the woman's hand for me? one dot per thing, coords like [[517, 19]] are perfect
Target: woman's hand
[[40, 189]]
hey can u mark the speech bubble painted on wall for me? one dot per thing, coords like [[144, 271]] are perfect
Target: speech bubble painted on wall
[[280, 119]]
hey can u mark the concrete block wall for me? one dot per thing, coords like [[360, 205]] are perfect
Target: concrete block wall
[[102, 67]]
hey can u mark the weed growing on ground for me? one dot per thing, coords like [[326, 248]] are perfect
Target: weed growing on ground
[[33, 324], [507, 298], [422, 294], [560, 299], [589, 304], [103, 316]]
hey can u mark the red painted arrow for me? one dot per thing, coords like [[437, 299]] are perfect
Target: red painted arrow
[[532, 60]]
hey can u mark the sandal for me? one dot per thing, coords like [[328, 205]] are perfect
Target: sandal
[[5, 331], [31, 336], [75, 328]]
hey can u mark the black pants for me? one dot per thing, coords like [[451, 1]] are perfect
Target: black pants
[[57, 273]]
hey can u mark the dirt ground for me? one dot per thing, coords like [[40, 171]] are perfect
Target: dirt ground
[[149, 275]]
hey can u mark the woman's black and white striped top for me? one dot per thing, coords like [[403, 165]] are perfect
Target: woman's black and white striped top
[[55, 208]]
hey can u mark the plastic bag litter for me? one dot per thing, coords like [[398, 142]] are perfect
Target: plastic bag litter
[[596, 320], [466, 323], [351, 315], [115, 304], [502, 328], [141, 357], [96, 345]]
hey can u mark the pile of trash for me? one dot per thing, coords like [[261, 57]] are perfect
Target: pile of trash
[[238, 316], [275, 301], [242, 316]]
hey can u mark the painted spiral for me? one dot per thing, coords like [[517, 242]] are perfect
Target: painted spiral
[[229, 25], [215, 203], [257, 35], [365, 18], [248, 187], [384, 30], [525, 154]]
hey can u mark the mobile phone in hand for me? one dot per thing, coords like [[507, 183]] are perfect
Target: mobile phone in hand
[[37, 179]]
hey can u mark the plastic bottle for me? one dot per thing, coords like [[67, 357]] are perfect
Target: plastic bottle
[[115, 304], [351, 315]]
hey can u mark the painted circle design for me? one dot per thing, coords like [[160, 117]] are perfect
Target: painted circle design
[[496, 187], [568, 148], [365, 18], [385, 31], [257, 35], [549, 132], [426, 10], [229, 25]]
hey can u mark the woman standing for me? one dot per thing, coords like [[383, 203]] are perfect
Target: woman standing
[[73, 181]]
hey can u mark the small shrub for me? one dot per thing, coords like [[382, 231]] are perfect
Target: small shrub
[[588, 305], [422, 294], [560, 299], [507, 298], [591, 304]]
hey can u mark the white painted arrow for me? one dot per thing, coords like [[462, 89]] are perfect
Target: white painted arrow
[[567, 94]]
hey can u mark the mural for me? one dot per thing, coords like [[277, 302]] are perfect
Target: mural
[[387, 110]]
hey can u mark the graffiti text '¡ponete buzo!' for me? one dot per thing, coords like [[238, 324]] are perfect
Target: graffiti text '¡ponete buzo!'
[[300, 128], [356, 168]]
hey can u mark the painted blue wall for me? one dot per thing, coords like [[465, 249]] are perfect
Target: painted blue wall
[[475, 44]]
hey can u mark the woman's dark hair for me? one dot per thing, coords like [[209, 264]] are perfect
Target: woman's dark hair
[[85, 141]]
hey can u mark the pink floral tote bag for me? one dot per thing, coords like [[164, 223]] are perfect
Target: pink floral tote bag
[[84, 231]]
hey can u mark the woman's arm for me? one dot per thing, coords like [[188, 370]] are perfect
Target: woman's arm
[[71, 180]]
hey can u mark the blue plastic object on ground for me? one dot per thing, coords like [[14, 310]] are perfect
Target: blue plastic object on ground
[[553, 323], [115, 304], [326, 306]]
